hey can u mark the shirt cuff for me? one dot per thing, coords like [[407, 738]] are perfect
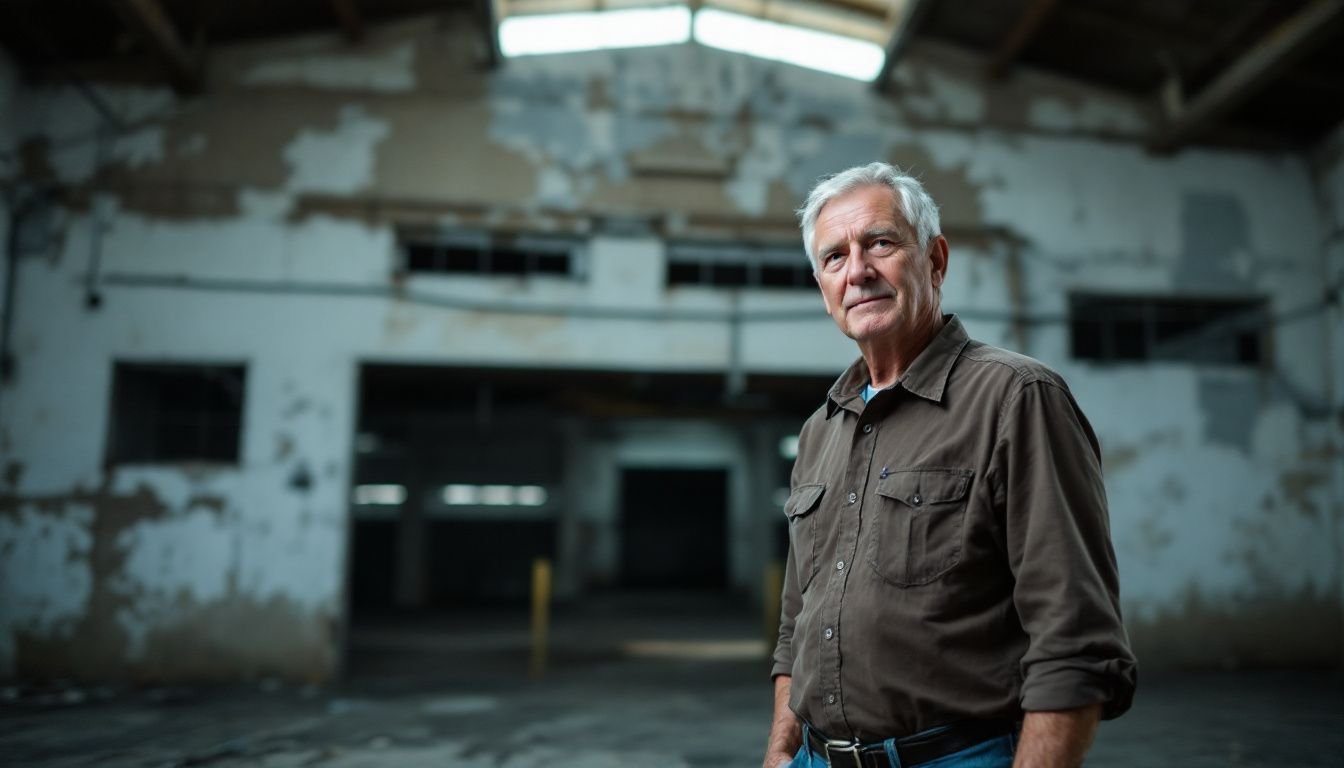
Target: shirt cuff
[[1074, 683]]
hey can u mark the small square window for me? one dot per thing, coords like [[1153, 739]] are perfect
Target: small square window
[[164, 413]]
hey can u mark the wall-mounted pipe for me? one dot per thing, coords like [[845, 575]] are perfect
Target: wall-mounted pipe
[[19, 207]]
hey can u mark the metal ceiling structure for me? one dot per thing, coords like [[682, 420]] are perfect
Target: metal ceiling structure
[[1256, 73]]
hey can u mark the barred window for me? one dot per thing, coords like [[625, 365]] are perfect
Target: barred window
[[731, 265], [176, 412], [1229, 331], [485, 253]]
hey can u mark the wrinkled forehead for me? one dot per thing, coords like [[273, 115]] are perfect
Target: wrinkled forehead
[[839, 217]]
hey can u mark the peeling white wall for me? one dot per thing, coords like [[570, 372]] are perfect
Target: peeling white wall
[[1213, 475], [44, 567]]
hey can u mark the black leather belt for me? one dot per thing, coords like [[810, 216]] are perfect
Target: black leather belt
[[913, 750]]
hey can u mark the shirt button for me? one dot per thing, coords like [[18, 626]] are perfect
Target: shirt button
[[916, 500], [829, 633], [867, 428], [840, 565], [830, 699], [853, 497]]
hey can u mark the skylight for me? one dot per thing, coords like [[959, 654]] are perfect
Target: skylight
[[809, 48], [669, 25], [572, 32]]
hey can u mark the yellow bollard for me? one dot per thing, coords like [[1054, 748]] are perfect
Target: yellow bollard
[[772, 588], [541, 610]]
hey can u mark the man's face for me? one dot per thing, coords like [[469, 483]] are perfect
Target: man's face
[[874, 280]]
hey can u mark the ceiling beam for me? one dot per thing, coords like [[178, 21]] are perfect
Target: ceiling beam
[[1243, 78], [147, 21], [905, 30], [352, 22], [1028, 24]]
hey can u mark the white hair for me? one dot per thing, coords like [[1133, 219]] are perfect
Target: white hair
[[912, 201]]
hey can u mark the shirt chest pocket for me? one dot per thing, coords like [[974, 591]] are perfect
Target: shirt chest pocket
[[801, 510], [916, 524]]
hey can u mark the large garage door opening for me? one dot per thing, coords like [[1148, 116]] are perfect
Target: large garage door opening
[[457, 491], [674, 529], [464, 477]]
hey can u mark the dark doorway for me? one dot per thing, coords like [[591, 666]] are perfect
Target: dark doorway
[[486, 562], [674, 529]]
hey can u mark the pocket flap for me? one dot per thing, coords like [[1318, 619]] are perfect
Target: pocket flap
[[803, 499], [917, 487]]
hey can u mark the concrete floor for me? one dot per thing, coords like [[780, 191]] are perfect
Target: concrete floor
[[631, 684]]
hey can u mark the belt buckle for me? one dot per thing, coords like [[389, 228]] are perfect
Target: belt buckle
[[848, 749]]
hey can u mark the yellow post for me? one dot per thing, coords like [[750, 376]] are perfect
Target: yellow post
[[541, 610], [772, 588]]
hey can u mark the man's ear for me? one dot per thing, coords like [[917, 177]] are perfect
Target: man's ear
[[937, 255]]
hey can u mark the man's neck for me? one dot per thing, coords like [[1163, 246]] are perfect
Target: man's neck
[[889, 358]]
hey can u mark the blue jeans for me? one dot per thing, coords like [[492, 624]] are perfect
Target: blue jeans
[[994, 753]]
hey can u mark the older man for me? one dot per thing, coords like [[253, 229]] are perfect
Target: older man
[[951, 595]]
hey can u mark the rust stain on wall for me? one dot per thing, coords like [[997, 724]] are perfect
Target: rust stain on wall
[[659, 193], [447, 63], [97, 647], [425, 158], [1298, 486], [213, 150], [955, 192], [282, 640]]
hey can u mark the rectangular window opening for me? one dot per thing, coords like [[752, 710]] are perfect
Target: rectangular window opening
[[176, 412], [730, 265], [1200, 330], [483, 253]]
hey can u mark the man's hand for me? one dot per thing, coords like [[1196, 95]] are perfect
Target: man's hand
[[786, 734], [1057, 739]]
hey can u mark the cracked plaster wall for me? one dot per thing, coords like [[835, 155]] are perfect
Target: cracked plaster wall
[[296, 167]]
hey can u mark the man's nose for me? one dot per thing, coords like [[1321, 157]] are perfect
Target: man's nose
[[857, 268]]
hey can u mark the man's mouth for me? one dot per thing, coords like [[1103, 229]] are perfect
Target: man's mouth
[[867, 300]]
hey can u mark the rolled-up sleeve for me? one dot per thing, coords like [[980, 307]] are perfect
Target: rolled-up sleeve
[[790, 602], [1057, 530]]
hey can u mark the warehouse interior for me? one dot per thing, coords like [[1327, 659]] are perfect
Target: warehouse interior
[[327, 319]]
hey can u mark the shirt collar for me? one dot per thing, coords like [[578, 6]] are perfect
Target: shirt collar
[[926, 377]]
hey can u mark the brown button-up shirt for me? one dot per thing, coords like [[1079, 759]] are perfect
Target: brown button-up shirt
[[950, 552]]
